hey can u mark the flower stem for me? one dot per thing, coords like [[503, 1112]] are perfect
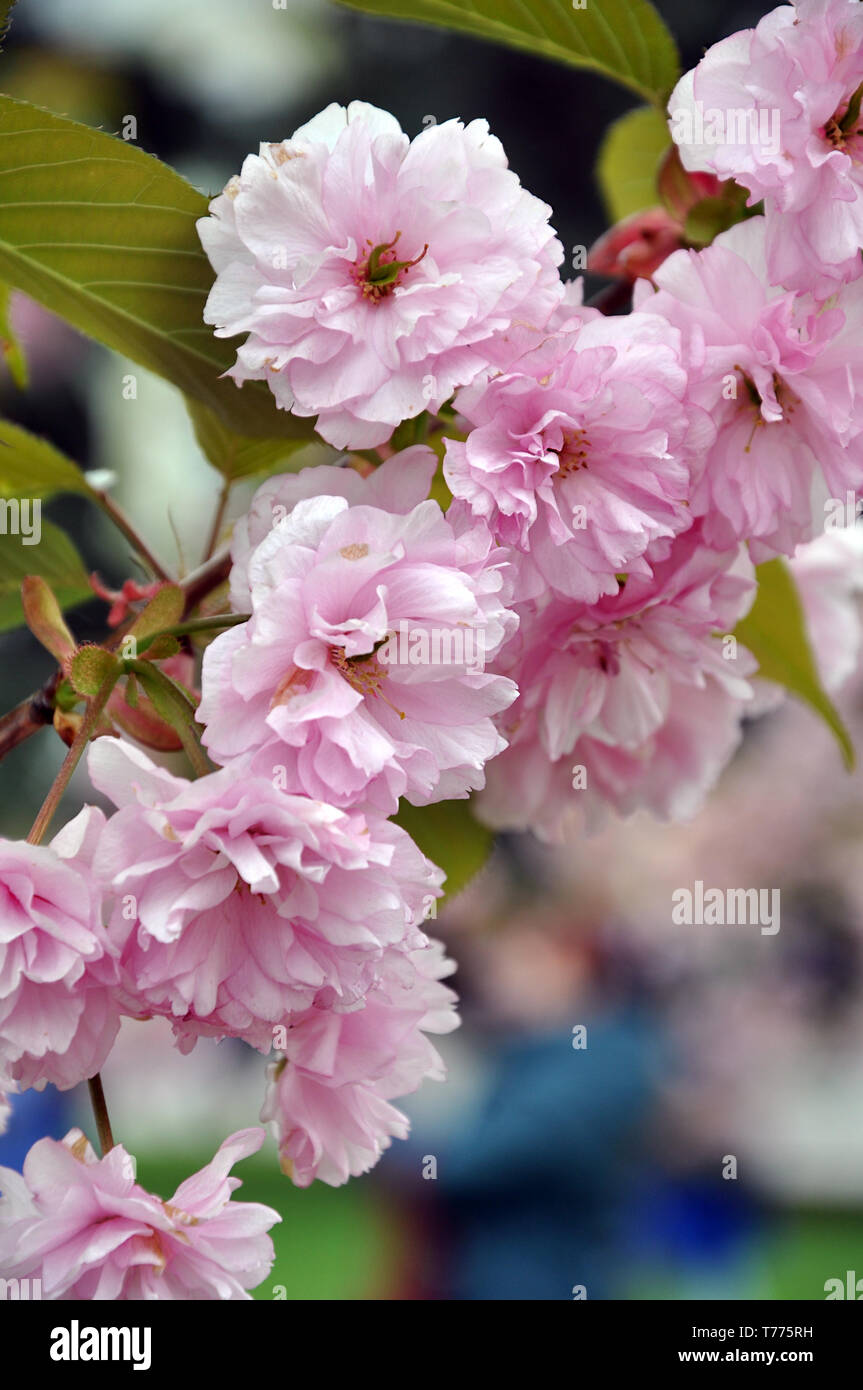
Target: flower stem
[[218, 519], [100, 1110], [206, 578], [88, 724], [213, 624], [123, 524]]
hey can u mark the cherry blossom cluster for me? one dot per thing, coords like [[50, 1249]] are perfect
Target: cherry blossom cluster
[[536, 606], [87, 1230]]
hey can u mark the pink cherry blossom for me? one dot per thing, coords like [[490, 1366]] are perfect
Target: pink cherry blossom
[[58, 1018], [236, 903], [329, 1096], [768, 107], [669, 775], [397, 485], [828, 572], [86, 1228], [779, 375], [370, 272], [522, 338], [635, 701], [360, 676], [579, 455]]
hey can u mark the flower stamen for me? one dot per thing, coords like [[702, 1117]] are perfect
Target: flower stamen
[[380, 272], [839, 128], [363, 673], [573, 453]]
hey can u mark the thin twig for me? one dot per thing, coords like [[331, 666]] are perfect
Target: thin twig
[[219, 621], [205, 579], [218, 519], [122, 522], [100, 1110], [95, 706]]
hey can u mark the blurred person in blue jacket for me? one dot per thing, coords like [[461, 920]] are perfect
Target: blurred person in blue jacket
[[533, 1191]]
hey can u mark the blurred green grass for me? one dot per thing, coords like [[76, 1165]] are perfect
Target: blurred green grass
[[333, 1243], [790, 1261], [811, 1248]]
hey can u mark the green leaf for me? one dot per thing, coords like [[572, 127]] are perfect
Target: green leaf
[[709, 217], [9, 344], [235, 455], [410, 432], [160, 647], [54, 558], [450, 836], [678, 189], [164, 609], [439, 491], [625, 40], [91, 668], [629, 159], [104, 235], [775, 632], [173, 703], [44, 619], [31, 467]]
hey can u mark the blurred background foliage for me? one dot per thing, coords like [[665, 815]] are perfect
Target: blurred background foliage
[[555, 1167]]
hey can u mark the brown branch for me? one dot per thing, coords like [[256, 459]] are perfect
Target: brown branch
[[205, 579], [218, 519], [28, 717], [100, 1110]]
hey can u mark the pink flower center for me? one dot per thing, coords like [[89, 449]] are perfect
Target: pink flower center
[[785, 398], [179, 1217], [598, 652], [379, 272], [607, 659], [363, 673], [573, 453], [844, 125]]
